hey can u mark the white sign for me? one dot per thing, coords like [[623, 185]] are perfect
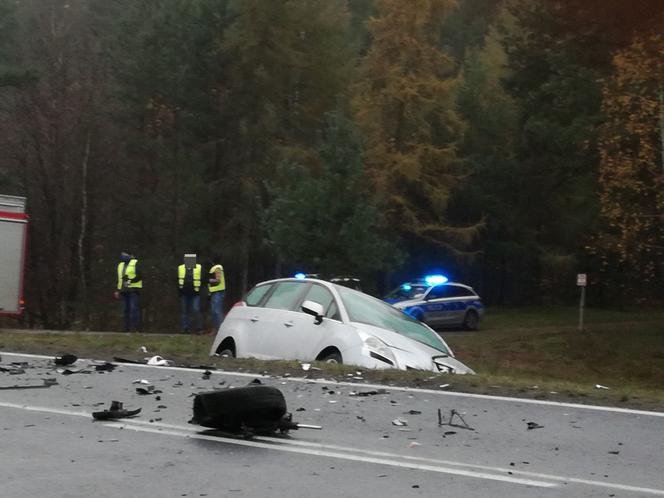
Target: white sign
[[581, 279]]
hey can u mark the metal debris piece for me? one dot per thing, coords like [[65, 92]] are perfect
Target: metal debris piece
[[141, 381], [443, 386], [206, 375], [116, 411], [106, 367], [145, 390], [414, 412], [534, 425], [47, 383], [399, 422], [450, 421], [65, 360], [600, 386], [369, 393], [117, 359]]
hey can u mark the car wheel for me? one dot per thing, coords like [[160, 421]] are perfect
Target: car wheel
[[258, 408], [332, 358], [471, 321], [227, 353]]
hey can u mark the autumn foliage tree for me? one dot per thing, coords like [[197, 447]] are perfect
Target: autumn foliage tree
[[632, 161], [405, 105]]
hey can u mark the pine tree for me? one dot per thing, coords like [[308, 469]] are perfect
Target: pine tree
[[405, 105]]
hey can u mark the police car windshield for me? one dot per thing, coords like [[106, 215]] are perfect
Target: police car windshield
[[366, 309], [407, 291]]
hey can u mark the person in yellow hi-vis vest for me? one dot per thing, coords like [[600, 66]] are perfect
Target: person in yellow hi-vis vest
[[189, 288], [217, 289], [129, 284]]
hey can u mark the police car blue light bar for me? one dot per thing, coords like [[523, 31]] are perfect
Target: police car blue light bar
[[406, 287], [299, 275], [435, 279]]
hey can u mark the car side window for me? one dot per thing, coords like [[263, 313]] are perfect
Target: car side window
[[324, 297], [459, 291], [256, 294], [284, 296], [439, 292]]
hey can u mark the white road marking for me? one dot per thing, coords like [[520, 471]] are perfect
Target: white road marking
[[356, 385], [343, 456], [349, 453]]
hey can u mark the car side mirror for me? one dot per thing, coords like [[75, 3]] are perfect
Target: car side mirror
[[314, 309]]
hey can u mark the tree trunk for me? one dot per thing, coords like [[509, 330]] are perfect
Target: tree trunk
[[82, 232]]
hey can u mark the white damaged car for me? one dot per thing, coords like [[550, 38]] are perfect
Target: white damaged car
[[309, 319]]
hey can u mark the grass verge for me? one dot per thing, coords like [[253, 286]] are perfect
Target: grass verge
[[532, 352]]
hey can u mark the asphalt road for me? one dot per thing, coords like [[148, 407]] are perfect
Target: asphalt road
[[51, 447]]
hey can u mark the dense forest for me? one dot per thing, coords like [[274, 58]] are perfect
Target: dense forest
[[508, 143]]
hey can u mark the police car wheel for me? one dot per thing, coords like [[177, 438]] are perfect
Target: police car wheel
[[471, 321]]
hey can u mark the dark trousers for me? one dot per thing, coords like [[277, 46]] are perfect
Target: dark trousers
[[132, 312], [191, 305]]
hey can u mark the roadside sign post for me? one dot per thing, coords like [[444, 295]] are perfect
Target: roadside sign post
[[581, 281]]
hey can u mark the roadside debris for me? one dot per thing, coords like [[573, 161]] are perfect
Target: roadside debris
[[252, 409], [117, 359], [106, 367], [443, 386], [147, 389], [600, 386], [158, 361], [67, 371], [47, 383], [206, 375], [534, 425], [12, 369], [65, 360], [414, 412], [368, 393], [116, 411], [399, 422], [450, 421]]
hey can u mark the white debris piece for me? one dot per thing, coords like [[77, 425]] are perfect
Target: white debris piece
[[306, 366], [600, 386], [399, 422], [158, 361]]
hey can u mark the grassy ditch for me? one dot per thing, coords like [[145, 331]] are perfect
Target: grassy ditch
[[525, 352]]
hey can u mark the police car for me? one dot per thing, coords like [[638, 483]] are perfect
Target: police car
[[438, 303]]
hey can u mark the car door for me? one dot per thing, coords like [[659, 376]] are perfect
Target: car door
[[271, 334], [308, 337], [435, 308]]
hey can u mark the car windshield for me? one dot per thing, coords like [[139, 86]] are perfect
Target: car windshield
[[407, 291], [366, 309]]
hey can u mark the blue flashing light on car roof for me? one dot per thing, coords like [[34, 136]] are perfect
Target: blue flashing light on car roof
[[299, 275], [435, 279], [406, 287]]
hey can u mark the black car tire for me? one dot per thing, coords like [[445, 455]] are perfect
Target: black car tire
[[258, 408], [471, 320], [332, 358]]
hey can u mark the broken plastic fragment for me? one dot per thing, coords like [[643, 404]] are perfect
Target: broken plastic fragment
[[399, 422], [65, 359], [534, 425], [306, 366], [158, 361], [600, 386], [116, 411]]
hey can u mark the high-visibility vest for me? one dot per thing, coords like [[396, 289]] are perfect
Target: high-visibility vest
[[222, 281], [197, 276], [128, 273]]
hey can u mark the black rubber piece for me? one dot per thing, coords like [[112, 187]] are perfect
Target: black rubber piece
[[253, 408], [65, 359]]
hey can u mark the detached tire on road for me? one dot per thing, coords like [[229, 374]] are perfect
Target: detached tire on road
[[257, 408]]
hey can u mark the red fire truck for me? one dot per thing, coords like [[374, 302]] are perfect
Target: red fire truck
[[13, 247]]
